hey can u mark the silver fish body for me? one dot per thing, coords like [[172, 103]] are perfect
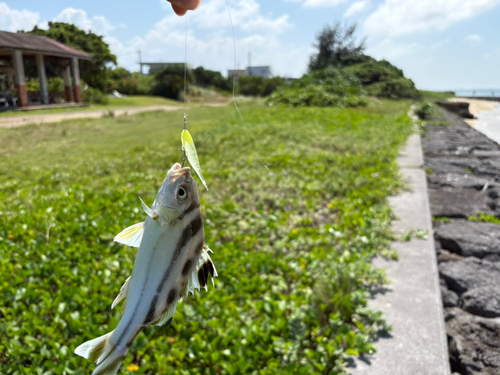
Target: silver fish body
[[172, 261]]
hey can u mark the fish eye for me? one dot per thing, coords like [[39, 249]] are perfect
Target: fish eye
[[182, 193]]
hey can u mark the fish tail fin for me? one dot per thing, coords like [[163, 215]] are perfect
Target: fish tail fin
[[107, 356]]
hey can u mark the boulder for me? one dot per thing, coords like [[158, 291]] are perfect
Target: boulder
[[469, 238], [458, 203], [459, 108], [483, 301], [469, 273], [447, 256], [449, 297], [458, 180], [450, 164], [474, 343]]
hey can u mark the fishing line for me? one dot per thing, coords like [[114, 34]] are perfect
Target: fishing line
[[184, 155], [234, 87]]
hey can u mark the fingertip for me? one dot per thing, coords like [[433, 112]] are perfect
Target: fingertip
[[178, 10]]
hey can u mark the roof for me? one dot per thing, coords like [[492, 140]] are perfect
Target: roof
[[39, 44]]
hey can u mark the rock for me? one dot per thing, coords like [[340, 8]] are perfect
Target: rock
[[450, 164], [469, 273], [495, 258], [474, 343], [483, 154], [447, 256], [469, 238], [458, 180], [460, 108], [449, 297], [483, 301], [458, 203]]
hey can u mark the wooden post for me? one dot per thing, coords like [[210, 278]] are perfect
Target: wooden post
[[22, 93], [76, 80], [40, 66], [68, 87]]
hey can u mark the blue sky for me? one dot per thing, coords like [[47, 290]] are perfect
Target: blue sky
[[440, 44]]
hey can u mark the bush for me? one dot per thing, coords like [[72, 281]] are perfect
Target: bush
[[94, 96], [384, 80], [169, 81], [211, 79], [135, 84], [55, 84], [423, 110], [251, 85], [322, 88]]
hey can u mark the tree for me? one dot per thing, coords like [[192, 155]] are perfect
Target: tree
[[170, 81], [95, 72], [337, 46]]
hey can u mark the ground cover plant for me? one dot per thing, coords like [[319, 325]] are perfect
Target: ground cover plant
[[292, 241]]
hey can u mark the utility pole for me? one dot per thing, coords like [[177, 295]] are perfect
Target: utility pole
[[140, 60]]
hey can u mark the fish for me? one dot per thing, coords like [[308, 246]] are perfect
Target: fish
[[172, 261]]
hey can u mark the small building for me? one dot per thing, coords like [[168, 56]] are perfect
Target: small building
[[260, 71], [15, 48], [154, 66]]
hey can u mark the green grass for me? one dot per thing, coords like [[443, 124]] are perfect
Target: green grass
[[436, 95], [292, 243], [114, 103]]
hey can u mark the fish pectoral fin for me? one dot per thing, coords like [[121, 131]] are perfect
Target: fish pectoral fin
[[123, 293], [204, 268], [131, 236], [166, 317], [149, 211]]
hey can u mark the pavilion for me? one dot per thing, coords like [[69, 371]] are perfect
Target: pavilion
[[15, 48]]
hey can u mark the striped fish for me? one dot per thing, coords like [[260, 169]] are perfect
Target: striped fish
[[172, 261]]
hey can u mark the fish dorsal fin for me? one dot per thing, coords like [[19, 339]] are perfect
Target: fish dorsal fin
[[149, 211], [131, 236], [166, 317], [123, 293], [204, 268]]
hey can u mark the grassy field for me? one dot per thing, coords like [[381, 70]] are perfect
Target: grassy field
[[296, 209], [114, 103], [436, 95]]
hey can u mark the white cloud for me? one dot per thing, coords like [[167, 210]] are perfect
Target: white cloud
[[245, 14], [322, 3], [398, 17], [14, 20], [317, 3], [390, 50], [210, 41], [356, 7], [98, 24], [473, 38]]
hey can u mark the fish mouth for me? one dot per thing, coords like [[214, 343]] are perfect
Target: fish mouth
[[177, 171]]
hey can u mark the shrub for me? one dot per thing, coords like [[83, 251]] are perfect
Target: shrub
[[423, 110], [135, 84], [94, 96], [322, 88], [169, 81], [55, 84], [211, 79], [384, 80]]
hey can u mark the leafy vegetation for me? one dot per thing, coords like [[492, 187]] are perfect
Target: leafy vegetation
[[337, 46], [436, 95], [384, 80], [94, 72], [423, 110], [292, 243], [322, 88], [94, 96]]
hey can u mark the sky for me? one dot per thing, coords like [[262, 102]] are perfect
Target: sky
[[440, 44]]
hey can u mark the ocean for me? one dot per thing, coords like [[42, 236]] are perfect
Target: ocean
[[478, 92]]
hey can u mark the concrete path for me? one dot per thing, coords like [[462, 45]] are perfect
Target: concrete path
[[15, 121], [412, 303]]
